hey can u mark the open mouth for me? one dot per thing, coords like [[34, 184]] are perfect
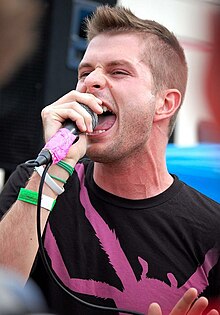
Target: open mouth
[[105, 121]]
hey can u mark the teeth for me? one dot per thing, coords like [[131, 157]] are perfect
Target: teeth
[[95, 132], [105, 109], [99, 131]]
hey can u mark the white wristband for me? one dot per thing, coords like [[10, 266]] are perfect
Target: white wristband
[[47, 202], [49, 181], [30, 196]]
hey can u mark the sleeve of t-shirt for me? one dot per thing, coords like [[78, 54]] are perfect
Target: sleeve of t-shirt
[[12, 187]]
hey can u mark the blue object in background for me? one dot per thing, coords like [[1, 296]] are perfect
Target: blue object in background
[[198, 166]]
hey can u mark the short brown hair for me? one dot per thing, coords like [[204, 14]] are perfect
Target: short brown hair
[[164, 55]]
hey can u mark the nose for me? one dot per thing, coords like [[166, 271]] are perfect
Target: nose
[[95, 80]]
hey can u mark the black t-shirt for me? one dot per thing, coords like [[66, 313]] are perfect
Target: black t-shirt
[[123, 253]]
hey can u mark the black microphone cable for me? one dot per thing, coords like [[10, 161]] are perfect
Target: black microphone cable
[[32, 163]]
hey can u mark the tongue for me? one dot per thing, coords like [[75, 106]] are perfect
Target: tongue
[[105, 122]]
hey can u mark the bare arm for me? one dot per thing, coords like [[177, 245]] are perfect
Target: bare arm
[[18, 233]]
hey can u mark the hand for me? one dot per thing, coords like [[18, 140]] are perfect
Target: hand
[[66, 107], [186, 305]]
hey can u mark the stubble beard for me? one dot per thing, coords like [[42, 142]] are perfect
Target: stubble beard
[[119, 151]]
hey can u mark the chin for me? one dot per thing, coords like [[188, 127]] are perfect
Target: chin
[[99, 158]]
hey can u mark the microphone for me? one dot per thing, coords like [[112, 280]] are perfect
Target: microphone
[[71, 125], [58, 145]]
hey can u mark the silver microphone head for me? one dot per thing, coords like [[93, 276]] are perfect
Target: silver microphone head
[[94, 115]]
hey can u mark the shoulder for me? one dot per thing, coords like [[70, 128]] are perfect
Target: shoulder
[[199, 207], [198, 197]]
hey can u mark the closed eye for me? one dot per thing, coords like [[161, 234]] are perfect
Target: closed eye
[[83, 75], [120, 72]]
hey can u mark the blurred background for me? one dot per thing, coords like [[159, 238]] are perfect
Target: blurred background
[[50, 71]]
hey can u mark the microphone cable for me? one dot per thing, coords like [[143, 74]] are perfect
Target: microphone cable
[[32, 163]]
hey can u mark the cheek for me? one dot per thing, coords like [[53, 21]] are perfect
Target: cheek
[[136, 108], [138, 113], [134, 128]]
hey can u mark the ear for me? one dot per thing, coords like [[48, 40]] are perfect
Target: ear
[[167, 104]]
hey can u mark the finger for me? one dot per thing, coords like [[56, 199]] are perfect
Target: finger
[[154, 309], [87, 115], [77, 151], [184, 304], [85, 98], [74, 111], [199, 306], [213, 312]]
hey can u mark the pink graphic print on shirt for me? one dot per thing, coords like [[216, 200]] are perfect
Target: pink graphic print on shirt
[[136, 295]]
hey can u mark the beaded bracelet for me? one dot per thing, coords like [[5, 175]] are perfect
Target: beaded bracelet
[[67, 167], [31, 197]]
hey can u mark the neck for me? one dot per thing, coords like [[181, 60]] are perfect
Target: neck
[[134, 179]]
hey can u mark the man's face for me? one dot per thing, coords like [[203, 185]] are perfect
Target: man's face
[[114, 70]]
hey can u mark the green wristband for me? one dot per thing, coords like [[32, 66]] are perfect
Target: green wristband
[[58, 178], [66, 167], [30, 196]]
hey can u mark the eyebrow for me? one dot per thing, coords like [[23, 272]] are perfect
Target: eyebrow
[[119, 62], [84, 65]]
